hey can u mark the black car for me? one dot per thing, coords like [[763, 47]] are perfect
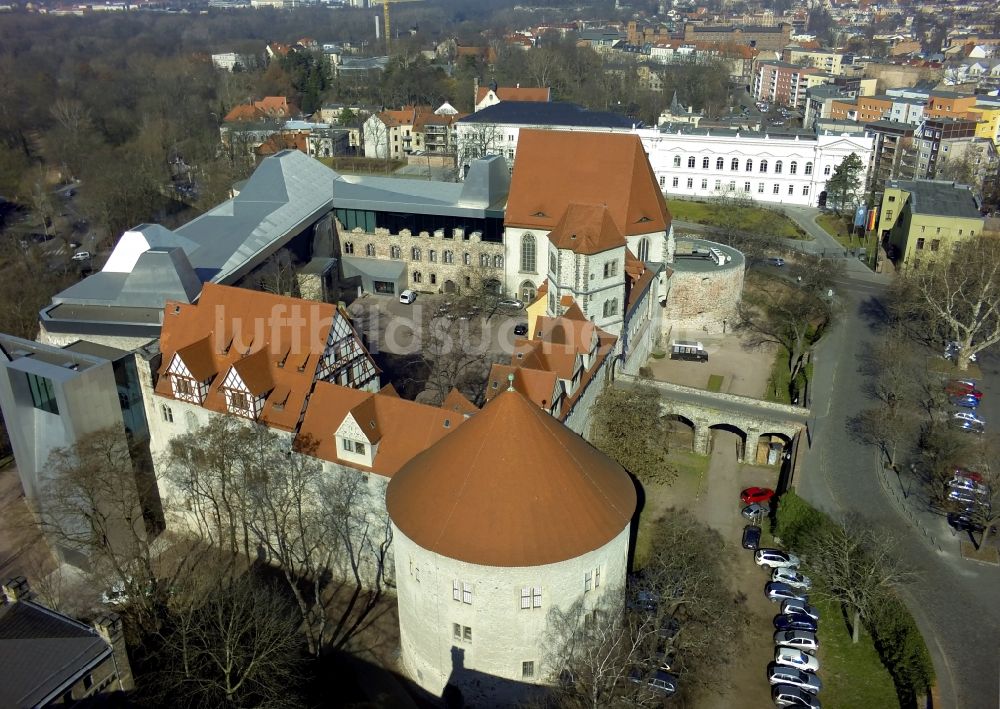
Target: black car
[[521, 329], [642, 600], [795, 621], [751, 537]]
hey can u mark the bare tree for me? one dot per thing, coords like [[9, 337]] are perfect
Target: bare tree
[[276, 275], [98, 504], [776, 312], [628, 425], [232, 640], [956, 297], [593, 652], [455, 352], [902, 390], [672, 614], [476, 140], [856, 565]]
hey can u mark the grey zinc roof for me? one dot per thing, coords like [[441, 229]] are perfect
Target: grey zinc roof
[[287, 190], [486, 187], [939, 198], [40, 651], [547, 113]]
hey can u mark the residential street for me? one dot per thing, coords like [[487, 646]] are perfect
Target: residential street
[[955, 602]]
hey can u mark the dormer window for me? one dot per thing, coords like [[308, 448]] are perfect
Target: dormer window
[[351, 446]]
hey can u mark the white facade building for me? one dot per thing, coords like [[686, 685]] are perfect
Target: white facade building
[[777, 169], [508, 517]]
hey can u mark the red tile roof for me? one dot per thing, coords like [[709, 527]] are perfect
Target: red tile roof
[[586, 229], [553, 169], [516, 93], [402, 428], [511, 487], [275, 343]]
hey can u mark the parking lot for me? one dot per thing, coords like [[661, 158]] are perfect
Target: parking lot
[[744, 369]]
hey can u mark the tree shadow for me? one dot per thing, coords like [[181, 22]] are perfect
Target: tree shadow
[[875, 312]]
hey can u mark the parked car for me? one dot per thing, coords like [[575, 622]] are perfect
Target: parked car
[[775, 558], [777, 591], [963, 522], [790, 576], [81, 256], [803, 640], [786, 695], [640, 599], [800, 608], [783, 674], [756, 510], [407, 296], [776, 261], [966, 426], [965, 401], [521, 329], [756, 494], [970, 474], [751, 536], [510, 303], [795, 622], [790, 657], [966, 498], [961, 387], [659, 681], [963, 483]]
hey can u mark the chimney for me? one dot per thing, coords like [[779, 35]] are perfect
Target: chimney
[[16, 589], [109, 627]]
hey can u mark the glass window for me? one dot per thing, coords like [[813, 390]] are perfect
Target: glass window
[[370, 250], [498, 261], [691, 161], [432, 255], [677, 160], [676, 181], [528, 669], [467, 258], [528, 253], [704, 163], [42, 395], [793, 167], [760, 187], [826, 170], [735, 164], [791, 189], [763, 166], [690, 182], [704, 184], [805, 190], [719, 163], [777, 167], [415, 253], [776, 189], [746, 186], [663, 181], [809, 168], [393, 252], [749, 165], [448, 257]]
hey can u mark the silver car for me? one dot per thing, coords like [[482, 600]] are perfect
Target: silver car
[[782, 674], [799, 639], [793, 607]]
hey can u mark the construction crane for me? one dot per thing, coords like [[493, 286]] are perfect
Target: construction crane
[[385, 16]]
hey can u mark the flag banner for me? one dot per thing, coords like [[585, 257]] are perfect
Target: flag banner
[[859, 217]]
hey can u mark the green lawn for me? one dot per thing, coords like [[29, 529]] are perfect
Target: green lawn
[[839, 228], [715, 382], [853, 675], [752, 219], [691, 469], [777, 383]]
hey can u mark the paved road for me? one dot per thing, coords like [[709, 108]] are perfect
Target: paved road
[[956, 603], [748, 407]]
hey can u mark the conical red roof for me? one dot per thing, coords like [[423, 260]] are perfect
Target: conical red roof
[[512, 486]]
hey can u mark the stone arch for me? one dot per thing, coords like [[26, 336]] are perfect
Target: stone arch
[[526, 291], [449, 286], [681, 431], [769, 438], [741, 435]]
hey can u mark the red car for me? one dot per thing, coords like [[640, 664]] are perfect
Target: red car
[[969, 475], [756, 494], [962, 387]]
